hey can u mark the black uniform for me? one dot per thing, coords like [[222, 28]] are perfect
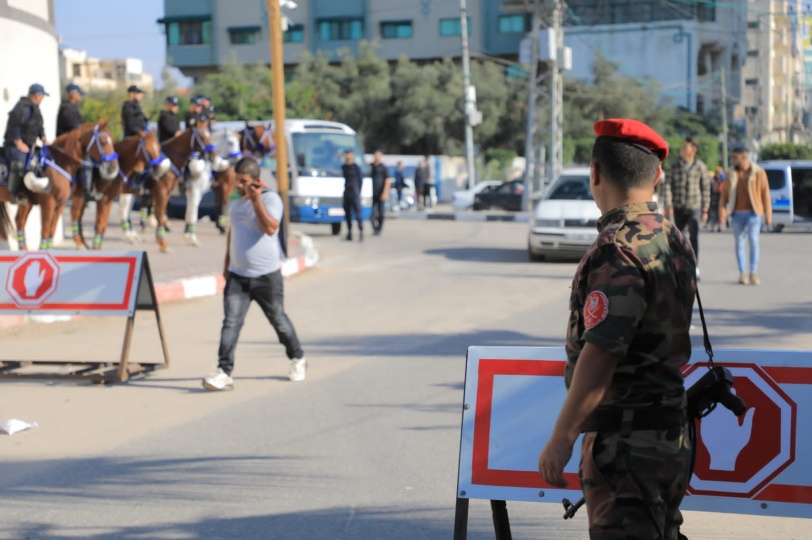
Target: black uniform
[[352, 197], [68, 118], [133, 118], [168, 125], [193, 118], [379, 174], [24, 123]]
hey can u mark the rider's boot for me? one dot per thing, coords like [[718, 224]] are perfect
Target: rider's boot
[[86, 174], [16, 170]]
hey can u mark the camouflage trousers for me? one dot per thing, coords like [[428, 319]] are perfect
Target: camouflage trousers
[[633, 483]]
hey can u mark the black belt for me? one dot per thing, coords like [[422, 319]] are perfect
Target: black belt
[[634, 419]]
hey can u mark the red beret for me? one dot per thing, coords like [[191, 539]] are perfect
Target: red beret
[[633, 132]]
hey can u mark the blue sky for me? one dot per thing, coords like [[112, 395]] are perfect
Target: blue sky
[[113, 29]]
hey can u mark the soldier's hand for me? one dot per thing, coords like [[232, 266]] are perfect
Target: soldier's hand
[[21, 146], [552, 460]]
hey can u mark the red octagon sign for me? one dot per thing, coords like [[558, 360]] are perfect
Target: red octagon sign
[[738, 457], [32, 279]]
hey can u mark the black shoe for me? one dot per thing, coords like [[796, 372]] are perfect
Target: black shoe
[[361, 235], [348, 238], [376, 232]]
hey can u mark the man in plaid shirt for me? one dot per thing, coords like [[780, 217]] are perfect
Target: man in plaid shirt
[[686, 193]]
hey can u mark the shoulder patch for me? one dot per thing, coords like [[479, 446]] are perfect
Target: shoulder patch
[[596, 309]]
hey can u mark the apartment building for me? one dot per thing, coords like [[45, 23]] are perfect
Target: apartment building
[[95, 74]]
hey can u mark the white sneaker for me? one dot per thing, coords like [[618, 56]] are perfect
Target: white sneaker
[[218, 381], [297, 370]]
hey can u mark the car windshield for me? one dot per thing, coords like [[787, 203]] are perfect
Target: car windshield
[[571, 188], [324, 152]]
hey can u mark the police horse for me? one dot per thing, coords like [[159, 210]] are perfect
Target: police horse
[[139, 158], [191, 149], [51, 176]]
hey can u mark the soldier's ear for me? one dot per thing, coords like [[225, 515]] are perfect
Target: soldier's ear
[[659, 175]]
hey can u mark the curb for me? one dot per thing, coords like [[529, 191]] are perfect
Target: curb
[[523, 217], [183, 289]]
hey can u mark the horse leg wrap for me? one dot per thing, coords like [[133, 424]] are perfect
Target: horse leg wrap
[[160, 233], [221, 221], [97, 241], [191, 228], [43, 244], [21, 239], [127, 225], [76, 228]]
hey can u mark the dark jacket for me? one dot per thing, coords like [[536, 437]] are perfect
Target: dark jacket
[[192, 119], [68, 118], [133, 118], [421, 176], [24, 122], [379, 174], [352, 180], [168, 125]]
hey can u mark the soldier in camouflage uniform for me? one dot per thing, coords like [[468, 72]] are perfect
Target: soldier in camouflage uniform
[[627, 337]]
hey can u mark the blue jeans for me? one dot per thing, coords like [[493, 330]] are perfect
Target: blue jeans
[[268, 292], [746, 225]]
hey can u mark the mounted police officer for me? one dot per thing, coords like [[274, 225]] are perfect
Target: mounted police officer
[[168, 123], [23, 129], [630, 314], [194, 115], [133, 119], [206, 108], [69, 118]]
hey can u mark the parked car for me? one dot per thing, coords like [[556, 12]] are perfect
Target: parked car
[[790, 192], [504, 196], [464, 199], [565, 220]]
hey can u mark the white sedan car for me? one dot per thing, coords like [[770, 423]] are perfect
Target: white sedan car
[[565, 219], [464, 200]]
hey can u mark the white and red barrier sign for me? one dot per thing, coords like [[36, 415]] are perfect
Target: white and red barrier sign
[[749, 465], [51, 283]]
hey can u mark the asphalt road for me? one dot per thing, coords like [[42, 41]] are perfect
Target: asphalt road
[[367, 447]]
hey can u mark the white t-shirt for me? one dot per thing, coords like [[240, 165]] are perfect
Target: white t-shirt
[[254, 253]]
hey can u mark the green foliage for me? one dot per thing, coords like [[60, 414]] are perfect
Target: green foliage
[[497, 163], [687, 124], [786, 151], [709, 151]]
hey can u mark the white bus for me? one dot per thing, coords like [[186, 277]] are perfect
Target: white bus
[[315, 155]]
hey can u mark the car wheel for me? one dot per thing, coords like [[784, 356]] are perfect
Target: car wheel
[[535, 257], [335, 228]]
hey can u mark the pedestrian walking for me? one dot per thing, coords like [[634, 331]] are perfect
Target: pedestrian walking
[[420, 180], [353, 180], [253, 273], [625, 389], [745, 197], [717, 181], [400, 182], [686, 192], [23, 128], [380, 191], [429, 194]]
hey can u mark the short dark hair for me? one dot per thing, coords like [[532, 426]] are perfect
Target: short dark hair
[[693, 142], [249, 166], [625, 165], [739, 149]]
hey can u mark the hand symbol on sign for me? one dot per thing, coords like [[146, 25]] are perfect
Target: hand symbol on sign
[[34, 276], [725, 438]]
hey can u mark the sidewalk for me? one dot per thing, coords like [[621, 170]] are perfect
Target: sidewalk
[[444, 211], [187, 271]]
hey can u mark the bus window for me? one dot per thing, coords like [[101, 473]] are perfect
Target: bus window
[[777, 178], [324, 152]]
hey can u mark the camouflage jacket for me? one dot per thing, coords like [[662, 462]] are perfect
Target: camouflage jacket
[[633, 295]]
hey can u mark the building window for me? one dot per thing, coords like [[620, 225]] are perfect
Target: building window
[[452, 27], [77, 70], [243, 35], [751, 82], [514, 24], [752, 53], [341, 29], [752, 24], [188, 32], [396, 29], [294, 34]]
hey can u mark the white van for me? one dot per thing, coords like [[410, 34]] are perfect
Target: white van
[[790, 192]]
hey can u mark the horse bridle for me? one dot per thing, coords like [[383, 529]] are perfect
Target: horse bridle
[[258, 145], [96, 140]]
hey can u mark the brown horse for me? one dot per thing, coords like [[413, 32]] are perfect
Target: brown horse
[[255, 141], [62, 160], [191, 148], [137, 155]]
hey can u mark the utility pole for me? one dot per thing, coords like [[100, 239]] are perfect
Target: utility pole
[[724, 119], [532, 92], [472, 116], [278, 93], [556, 158]]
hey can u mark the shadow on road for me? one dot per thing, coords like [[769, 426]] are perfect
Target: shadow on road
[[768, 325], [490, 255]]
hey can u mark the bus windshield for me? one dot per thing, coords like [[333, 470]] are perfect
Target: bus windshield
[[323, 152]]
